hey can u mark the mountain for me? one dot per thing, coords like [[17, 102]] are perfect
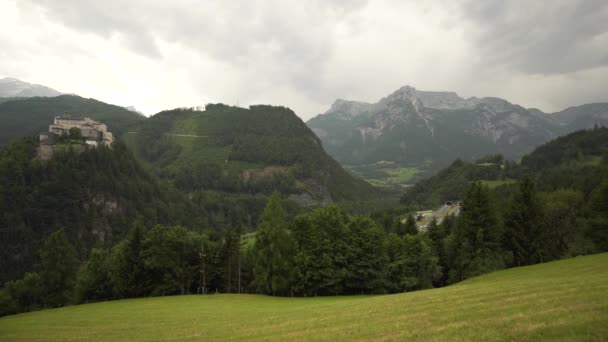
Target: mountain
[[581, 117], [426, 129], [12, 87], [252, 150], [30, 116]]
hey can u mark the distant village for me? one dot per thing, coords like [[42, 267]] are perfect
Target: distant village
[[91, 132]]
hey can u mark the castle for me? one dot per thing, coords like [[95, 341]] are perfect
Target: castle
[[94, 133]]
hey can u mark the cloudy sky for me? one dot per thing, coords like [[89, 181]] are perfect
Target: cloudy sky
[[162, 54]]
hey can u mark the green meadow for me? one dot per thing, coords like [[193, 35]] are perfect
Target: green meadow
[[563, 300]]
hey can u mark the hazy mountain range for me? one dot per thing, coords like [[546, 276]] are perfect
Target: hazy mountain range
[[413, 127], [12, 87]]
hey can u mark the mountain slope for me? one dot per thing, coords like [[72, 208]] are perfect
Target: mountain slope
[[581, 117], [561, 300], [260, 149], [30, 116], [414, 128], [555, 165], [12, 87], [95, 195]]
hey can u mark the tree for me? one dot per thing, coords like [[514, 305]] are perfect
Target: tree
[[75, 133], [420, 266], [368, 257], [598, 226], [94, 281], [129, 275], [436, 235], [323, 252], [58, 268], [409, 227], [171, 258], [273, 250], [524, 233], [476, 244], [411, 263]]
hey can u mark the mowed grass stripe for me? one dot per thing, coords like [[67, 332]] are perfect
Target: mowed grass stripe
[[563, 300]]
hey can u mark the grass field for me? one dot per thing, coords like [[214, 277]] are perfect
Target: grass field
[[564, 300], [385, 174]]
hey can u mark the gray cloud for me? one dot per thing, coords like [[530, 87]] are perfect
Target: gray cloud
[[541, 37], [156, 54]]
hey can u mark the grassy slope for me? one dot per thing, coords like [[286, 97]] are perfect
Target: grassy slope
[[564, 300]]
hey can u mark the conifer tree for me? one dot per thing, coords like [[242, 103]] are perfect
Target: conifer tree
[[59, 265], [477, 236], [129, 272], [273, 250], [410, 226], [524, 226]]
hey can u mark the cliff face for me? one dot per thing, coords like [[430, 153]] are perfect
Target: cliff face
[[411, 126]]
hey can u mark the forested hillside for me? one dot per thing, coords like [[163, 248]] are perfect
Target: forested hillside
[[554, 165], [243, 154], [30, 116], [95, 196], [546, 211]]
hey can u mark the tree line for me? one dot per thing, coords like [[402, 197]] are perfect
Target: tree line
[[321, 252]]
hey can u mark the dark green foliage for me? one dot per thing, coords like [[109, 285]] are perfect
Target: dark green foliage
[[128, 270], [564, 228], [477, 236], [273, 251], [436, 237], [598, 225], [451, 183], [94, 280], [322, 258], [411, 263], [409, 227], [30, 116], [94, 194], [58, 269], [22, 295], [75, 133], [367, 262], [524, 231], [229, 143], [171, 257], [571, 148]]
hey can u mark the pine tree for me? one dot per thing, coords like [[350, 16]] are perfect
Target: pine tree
[[477, 236], [273, 250], [129, 274], [524, 226], [59, 265], [410, 226]]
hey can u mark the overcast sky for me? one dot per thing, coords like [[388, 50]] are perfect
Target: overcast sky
[[163, 54]]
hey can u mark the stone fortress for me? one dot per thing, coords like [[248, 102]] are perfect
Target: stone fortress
[[94, 133]]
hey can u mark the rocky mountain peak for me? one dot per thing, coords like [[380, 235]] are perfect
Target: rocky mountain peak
[[430, 99], [12, 87], [347, 109]]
